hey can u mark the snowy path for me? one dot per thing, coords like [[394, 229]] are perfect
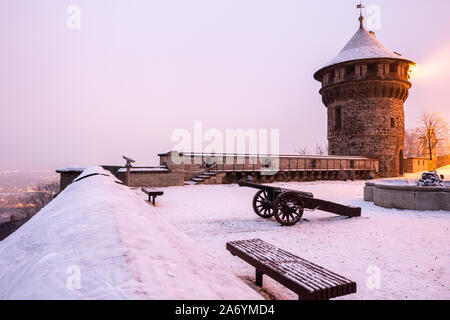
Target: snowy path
[[411, 249]]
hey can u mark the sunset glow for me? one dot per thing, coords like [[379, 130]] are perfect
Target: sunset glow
[[434, 68], [412, 71]]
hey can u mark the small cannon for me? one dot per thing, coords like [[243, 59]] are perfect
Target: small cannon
[[287, 205]]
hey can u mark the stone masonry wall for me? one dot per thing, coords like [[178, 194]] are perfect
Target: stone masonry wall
[[372, 127], [156, 179]]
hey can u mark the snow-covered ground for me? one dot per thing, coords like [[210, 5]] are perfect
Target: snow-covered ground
[[409, 249], [124, 248], [99, 240]]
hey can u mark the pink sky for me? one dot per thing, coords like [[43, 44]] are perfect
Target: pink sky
[[138, 70]]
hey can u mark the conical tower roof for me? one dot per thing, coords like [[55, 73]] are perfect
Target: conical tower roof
[[364, 45]]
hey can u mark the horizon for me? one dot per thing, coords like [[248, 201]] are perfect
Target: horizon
[[136, 72]]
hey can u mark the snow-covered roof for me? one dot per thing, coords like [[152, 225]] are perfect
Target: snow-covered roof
[[72, 169], [364, 45], [99, 240], [147, 169]]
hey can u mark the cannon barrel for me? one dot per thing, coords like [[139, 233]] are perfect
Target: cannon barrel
[[252, 185], [243, 183]]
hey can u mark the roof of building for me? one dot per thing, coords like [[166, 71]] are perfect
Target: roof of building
[[364, 45], [72, 169], [146, 169]]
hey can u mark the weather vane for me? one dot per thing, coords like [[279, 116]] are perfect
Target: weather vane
[[361, 18], [360, 7]]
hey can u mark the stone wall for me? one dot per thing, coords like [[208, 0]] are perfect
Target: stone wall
[[154, 179], [404, 194], [67, 178], [9, 227], [413, 165], [443, 161], [367, 130]]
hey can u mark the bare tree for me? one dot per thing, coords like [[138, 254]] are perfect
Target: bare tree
[[432, 130], [321, 150], [302, 151], [42, 194], [413, 147]]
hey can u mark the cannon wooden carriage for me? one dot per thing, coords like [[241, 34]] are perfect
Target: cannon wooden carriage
[[287, 206]]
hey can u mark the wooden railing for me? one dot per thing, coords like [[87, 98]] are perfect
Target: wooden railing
[[285, 163]]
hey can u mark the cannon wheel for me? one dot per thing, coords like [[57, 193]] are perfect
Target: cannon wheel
[[288, 208], [263, 204]]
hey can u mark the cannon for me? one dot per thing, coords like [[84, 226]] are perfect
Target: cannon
[[287, 206]]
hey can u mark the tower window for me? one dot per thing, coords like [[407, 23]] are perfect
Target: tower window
[[383, 69], [394, 68], [392, 123], [403, 72], [360, 70], [338, 119], [339, 74], [326, 78]]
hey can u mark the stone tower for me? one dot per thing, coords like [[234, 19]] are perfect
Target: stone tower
[[364, 89]]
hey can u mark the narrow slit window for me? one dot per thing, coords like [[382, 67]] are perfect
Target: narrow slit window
[[338, 118]]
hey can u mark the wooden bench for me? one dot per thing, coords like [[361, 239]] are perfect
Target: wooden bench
[[152, 194], [308, 280]]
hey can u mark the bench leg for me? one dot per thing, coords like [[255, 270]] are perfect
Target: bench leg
[[307, 298], [259, 278], [153, 200]]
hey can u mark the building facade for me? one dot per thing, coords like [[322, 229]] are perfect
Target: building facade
[[364, 89]]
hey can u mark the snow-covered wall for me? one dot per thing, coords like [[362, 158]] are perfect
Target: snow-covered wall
[[99, 240]]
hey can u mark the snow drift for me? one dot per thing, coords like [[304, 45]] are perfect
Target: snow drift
[[99, 240]]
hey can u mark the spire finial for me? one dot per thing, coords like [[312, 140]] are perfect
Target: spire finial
[[361, 17]]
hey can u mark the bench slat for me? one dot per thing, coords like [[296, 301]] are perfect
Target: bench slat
[[261, 246]]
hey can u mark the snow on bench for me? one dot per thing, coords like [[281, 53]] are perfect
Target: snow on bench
[[152, 194]]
